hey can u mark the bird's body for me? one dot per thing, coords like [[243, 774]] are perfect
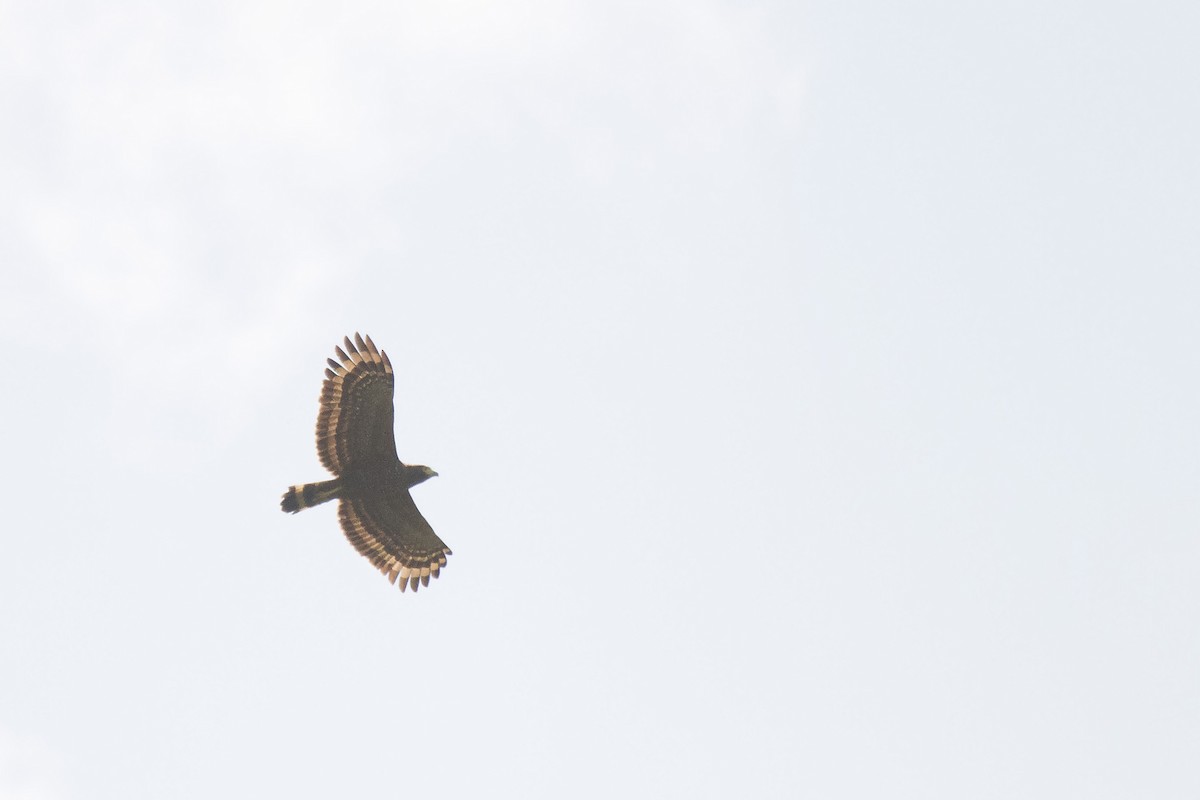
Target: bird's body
[[355, 442]]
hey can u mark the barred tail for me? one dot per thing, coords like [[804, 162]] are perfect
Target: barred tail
[[310, 494]]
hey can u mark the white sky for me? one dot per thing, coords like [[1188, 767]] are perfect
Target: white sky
[[813, 388]]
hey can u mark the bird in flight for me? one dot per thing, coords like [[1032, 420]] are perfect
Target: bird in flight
[[355, 442]]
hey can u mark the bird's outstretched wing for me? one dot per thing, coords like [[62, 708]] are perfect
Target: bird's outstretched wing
[[386, 527], [355, 422]]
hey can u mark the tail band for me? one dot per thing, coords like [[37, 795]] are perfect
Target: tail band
[[305, 495]]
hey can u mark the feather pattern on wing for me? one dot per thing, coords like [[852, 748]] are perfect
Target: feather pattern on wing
[[356, 417], [391, 533]]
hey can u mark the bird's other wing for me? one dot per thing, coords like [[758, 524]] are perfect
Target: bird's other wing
[[385, 526], [356, 417]]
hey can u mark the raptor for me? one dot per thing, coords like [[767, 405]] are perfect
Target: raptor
[[356, 442]]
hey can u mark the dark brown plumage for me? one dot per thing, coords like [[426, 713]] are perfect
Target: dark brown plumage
[[356, 443]]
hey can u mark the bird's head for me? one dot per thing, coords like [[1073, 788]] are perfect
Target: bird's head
[[419, 474]]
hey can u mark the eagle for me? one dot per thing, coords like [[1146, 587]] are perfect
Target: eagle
[[355, 442]]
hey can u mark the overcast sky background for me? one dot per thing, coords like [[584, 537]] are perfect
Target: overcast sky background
[[814, 389]]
